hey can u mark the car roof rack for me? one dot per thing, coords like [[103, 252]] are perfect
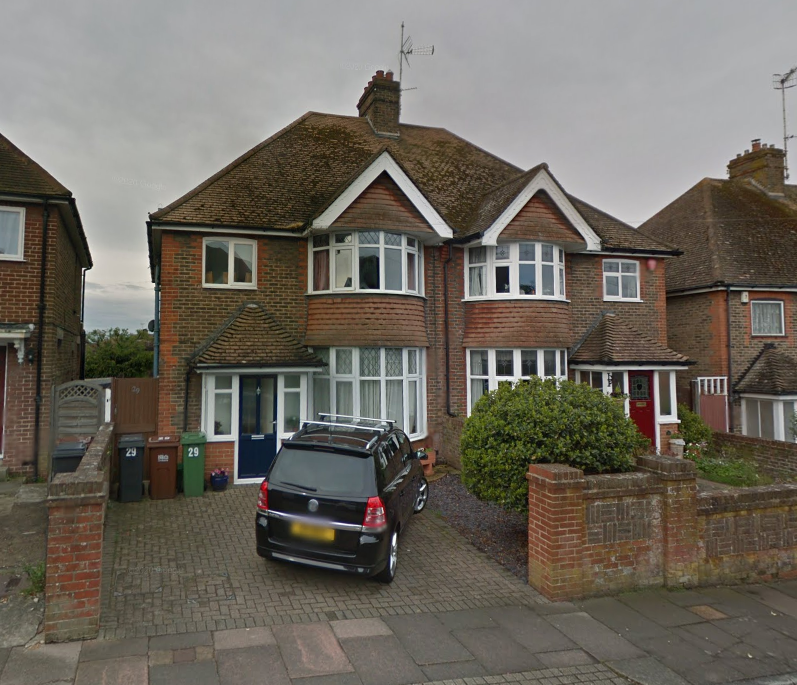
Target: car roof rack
[[356, 422]]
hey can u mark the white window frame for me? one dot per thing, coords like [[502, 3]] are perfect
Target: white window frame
[[619, 275], [493, 379], [672, 417], [406, 248], [782, 334], [778, 422], [419, 378], [231, 263], [209, 407], [513, 262], [282, 391], [19, 256]]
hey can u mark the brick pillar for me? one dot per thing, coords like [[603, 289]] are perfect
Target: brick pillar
[[556, 530], [679, 524]]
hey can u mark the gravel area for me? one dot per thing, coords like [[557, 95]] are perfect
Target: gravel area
[[501, 534]]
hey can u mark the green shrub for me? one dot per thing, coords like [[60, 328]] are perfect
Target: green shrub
[[694, 430], [545, 422], [730, 471]]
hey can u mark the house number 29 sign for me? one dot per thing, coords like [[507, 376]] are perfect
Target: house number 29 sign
[[193, 451]]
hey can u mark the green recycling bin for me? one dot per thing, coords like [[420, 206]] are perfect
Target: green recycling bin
[[193, 463]]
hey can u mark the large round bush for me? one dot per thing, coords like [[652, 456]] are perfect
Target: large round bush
[[542, 421]]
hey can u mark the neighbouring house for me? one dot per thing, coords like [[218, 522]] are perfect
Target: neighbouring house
[[43, 259], [362, 266], [732, 297]]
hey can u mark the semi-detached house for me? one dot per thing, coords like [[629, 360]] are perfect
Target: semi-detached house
[[362, 266]]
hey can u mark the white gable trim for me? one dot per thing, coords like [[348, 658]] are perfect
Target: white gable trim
[[543, 181], [384, 163]]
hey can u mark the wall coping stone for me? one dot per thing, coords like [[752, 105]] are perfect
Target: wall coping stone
[[631, 484], [560, 474], [91, 477], [743, 499], [668, 468]]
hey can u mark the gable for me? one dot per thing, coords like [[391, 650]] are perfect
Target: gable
[[541, 219], [383, 206]]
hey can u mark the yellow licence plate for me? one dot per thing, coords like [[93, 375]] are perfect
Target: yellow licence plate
[[310, 532]]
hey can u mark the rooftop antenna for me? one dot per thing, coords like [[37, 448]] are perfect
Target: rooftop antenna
[[781, 82], [407, 49]]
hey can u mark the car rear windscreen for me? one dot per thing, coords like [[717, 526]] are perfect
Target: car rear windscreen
[[329, 473]]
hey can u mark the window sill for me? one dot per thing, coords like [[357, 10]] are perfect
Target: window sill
[[339, 293], [221, 438], [216, 286], [622, 299], [516, 298], [11, 258], [768, 335], [668, 419]]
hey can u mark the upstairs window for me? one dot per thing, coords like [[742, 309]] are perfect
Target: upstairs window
[[229, 263], [12, 224], [620, 279], [516, 270], [767, 317], [365, 261]]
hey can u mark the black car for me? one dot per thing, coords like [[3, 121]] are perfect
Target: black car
[[338, 495]]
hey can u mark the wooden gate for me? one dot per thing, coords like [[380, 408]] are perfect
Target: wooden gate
[[134, 405], [711, 401]]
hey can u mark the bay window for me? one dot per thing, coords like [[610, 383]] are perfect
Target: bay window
[[620, 279], [767, 317], [517, 270], [771, 418], [12, 228], [229, 263], [365, 261]]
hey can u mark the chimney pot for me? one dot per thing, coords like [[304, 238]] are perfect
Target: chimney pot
[[380, 73], [756, 144], [389, 75]]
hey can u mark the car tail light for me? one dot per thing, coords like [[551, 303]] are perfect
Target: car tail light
[[262, 496], [374, 513]]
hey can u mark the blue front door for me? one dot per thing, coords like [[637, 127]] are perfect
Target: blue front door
[[257, 437]]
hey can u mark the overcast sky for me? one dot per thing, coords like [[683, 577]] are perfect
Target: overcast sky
[[131, 104]]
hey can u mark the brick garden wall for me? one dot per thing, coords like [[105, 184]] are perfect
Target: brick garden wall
[[774, 458], [595, 535]]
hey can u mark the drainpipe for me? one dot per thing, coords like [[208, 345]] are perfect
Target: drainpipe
[[157, 331], [40, 342], [82, 330], [730, 360], [185, 401], [445, 323]]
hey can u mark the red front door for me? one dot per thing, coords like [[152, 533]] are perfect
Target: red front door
[[643, 410], [2, 394]]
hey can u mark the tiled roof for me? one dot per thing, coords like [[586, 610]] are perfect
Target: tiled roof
[[773, 372], [611, 341], [283, 182], [731, 232], [252, 337], [20, 174]]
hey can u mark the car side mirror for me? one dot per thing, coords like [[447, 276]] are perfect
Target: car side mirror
[[419, 454]]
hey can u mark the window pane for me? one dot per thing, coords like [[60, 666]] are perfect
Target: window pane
[[411, 243], [223, 382], [596, 379], [788, 421], [321, 270], [394, 394], [369, 268], [629, 267], [502, 252], [370, 399], [478, 387], [412, 362], [617, 382], [323, 354], [267, 416], [342, 238], [344, 398], [412, 272], [9, 233], [611, 267], [547, 280], [217, 261], [392, 269], [478, 362], [248, 405], [562, 363], [321, 240], [767, 419], [528, 362], [504, 363], [549, 362], [222, 414], [394, 365], [502, 279], [477, 255], [292, 402], [629, 286], [369, 362], [412, 400], [293, 381], [321, 395], [243, 263], [393, 239], [561, 256], [369, 238], [528, 252], [528, 279], [342, 268], [665, 399], [343, 361], [547, 253], [612, 286], [767, 318], [476, 285], [562, 282], [751, 414]]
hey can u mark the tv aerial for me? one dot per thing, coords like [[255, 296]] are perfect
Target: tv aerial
[[781, 82], [407, 49]]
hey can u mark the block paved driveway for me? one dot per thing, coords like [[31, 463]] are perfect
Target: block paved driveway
[[188, 565]]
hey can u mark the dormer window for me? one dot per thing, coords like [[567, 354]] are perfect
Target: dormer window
[[365, 261], [516, 270]]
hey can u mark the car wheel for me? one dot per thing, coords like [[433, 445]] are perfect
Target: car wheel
[[422, 498], [389, 572]]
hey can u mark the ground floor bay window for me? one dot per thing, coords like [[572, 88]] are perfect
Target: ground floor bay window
[[769, 416], [375, 382]]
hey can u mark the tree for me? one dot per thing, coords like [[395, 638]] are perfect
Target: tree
[[118, 353]]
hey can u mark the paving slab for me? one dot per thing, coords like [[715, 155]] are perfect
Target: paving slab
[[130, 670], [94, 650], [683, 598], [4, 657], [426, 639], [310, 650], [734, 603], [336, 679], [659, 609], [713, 672], [565, 658], [182, 641], [677, 653], [238, 638], [467, 618], [253, 665], [381, 660], [647, 671], [360, 627], [454, 670], [623, 620], [41, 664], [757, 667], [197, 673], [20, 618], [495, 649], [707, 637], [779, 601], [788, 587], [530, 630], [594, 637]]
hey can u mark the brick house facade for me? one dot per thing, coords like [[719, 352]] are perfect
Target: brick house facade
[[732, 297], [41, 328], [396, 271]]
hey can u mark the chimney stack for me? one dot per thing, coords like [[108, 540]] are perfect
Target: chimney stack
[[762, 164], [380, 103]]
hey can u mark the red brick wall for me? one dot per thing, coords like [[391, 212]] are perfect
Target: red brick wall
[[774, 458], [220, 455], [517, 323]]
